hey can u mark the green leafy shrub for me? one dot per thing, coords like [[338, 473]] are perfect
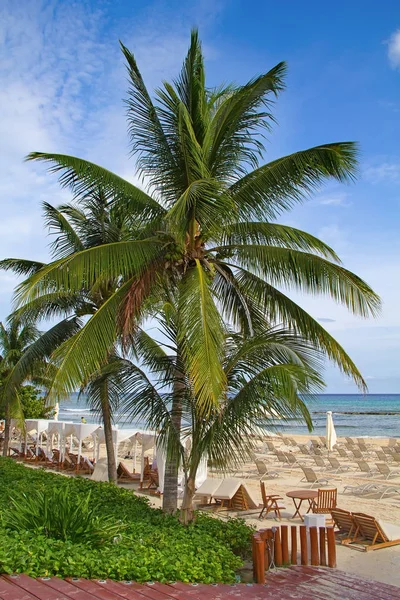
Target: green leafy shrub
[[151, 545], [56, 514]]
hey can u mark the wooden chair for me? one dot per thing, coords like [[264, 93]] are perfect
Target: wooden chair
[[373, 534], [270, 503], [325, 501], [153, 480], [343, 519], [125, 476]]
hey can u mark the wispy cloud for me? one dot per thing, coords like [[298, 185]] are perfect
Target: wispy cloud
[[394, 49], [334, 199], [386, 171]]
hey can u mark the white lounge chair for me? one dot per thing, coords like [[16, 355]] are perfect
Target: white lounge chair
[[208, 488]]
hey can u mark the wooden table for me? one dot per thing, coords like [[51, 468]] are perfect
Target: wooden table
[[301, 495]]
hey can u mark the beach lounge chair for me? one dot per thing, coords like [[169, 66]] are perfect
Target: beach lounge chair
[[291, 459], [396, 457], [323, 439], [365, 468], [208, 489], [350, 441], [125, 476], [360, 490], [304, 449], [337, 467], [311, 477], [343, 519], [153, 480], [374, 534], [381, 456], [234, 495], [386, 471], [319, 461], [263, 470], [270, 503], [358, 455], [343, 454]]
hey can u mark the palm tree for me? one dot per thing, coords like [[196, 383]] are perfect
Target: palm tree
[[15, 339], [77, 226], [205, 227], [265, 376]]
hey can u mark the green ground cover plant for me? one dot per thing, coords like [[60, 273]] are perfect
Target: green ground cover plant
[[120, 535]]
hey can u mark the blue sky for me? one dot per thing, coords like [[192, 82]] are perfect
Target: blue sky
[[62, 84]]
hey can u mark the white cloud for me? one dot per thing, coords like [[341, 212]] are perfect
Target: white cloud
[[384, 172], [334, 199], [394, 49]]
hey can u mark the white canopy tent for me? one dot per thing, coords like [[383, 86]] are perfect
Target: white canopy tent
[[201, 474], [38, 427]]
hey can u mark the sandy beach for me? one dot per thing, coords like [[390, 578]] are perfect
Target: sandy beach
[[380, 565]]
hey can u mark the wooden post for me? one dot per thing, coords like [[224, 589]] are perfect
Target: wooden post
[[322, 546], [331, 547], [254, 555], [293, 558], [314, 546], [259, 562], [277, 548], [303, 545], [285, 544]]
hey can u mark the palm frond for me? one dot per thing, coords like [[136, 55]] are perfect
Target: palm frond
[[67, 241], [277, 186], [307, 272], [201, 337], [84, 177], [273, 234], [21, 266]]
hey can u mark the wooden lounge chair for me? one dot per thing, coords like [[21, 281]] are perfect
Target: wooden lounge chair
[[153, 481], [125, 476], [270, 503], [207, 489], [343, 519], [234, 495], [374, 534]]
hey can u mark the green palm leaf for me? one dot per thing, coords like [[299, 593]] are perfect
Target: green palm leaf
[[201, 336]]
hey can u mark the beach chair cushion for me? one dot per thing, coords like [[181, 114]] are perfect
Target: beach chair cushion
[[227, 489], [392, 532], [208, 487]]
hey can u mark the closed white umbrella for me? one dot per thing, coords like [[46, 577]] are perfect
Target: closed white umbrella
[[331, 437]]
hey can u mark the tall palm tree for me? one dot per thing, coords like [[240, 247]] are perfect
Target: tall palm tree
[[84, 224], [15, 339], [205, 226]]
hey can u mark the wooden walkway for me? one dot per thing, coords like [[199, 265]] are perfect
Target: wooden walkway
[[301, 583]]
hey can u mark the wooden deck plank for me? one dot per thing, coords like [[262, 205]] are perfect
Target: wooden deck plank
[[9, 591], [35, 587], [66, 588], [302, 583]]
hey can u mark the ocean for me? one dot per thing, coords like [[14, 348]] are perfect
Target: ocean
[[354, 415]]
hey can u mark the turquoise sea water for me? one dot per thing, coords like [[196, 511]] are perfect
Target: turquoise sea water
[[373, 415]]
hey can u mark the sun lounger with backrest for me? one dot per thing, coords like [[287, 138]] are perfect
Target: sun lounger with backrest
[[337, 467], [270, 503], [381, 455], [311, 477], [343, 453], [208, 488], [234, 495], [319, 461], [350, 441], [263, 470], [124, 475], [365, 468], [343, 519], [386, 471], [374, 534]]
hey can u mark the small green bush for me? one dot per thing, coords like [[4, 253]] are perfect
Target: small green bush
[[149, 545], [56, 514]]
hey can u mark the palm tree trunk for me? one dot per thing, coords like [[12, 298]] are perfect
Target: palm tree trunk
[[187, 513], [7, 430], [107, 422], [170, 492]]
